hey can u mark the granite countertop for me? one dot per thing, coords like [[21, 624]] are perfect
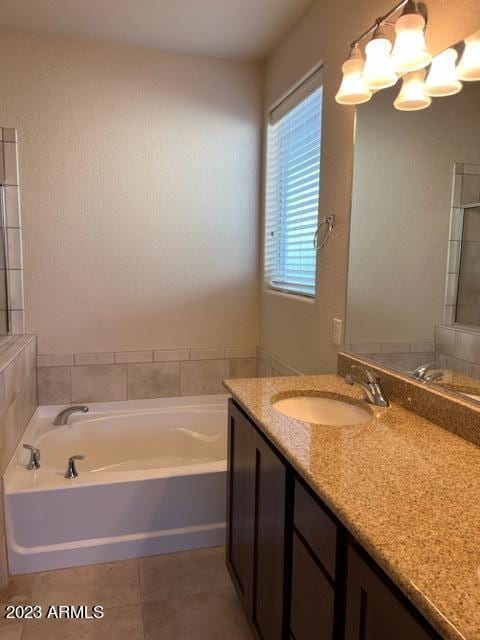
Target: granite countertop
[[406, 489]]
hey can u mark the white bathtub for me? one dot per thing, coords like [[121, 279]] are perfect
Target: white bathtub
[[153, 481]]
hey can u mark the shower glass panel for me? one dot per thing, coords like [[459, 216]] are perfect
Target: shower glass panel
[[468, 292], [4, 315]]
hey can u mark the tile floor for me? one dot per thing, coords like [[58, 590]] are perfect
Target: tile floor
[[182, 596]]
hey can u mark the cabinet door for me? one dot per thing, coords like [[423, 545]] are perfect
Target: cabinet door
[[269, 588], [241, 504], [374, 611], [313, 597]]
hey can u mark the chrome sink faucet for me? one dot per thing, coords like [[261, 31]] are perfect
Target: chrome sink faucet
[[370, 384], [425, 373], [63, 416]]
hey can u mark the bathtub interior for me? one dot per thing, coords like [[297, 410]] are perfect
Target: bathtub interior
[[155, 483], [156, 437], [152, 439]]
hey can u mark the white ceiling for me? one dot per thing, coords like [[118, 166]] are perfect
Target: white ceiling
[[227, 28]]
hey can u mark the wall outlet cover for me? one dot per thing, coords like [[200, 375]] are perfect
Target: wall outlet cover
[[337, 331]]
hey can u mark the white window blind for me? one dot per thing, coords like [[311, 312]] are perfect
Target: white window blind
[[292, 190]]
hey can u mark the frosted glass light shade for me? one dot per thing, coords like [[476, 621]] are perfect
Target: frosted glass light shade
[[353, 89], [410, 51], [442, 79], [412, 96], [468, 68], [378, 72]]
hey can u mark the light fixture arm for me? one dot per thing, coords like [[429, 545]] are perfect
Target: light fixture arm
[[403, 4]]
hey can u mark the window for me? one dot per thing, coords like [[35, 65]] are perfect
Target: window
[[292, 190]]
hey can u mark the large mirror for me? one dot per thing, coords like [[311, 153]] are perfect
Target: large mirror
[[414, 274]]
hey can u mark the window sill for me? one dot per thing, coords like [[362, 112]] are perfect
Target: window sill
[[297, 297]]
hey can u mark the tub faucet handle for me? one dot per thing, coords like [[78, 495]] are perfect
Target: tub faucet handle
[[34, 462], [71, 468]]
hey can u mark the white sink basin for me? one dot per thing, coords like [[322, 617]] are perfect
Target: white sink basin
[[321, 410]]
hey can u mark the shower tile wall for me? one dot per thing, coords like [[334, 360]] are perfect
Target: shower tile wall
[[458, 348], [466, 191], [18, 401], [468, 295], [14, 259], [135, 375], [457, 341]]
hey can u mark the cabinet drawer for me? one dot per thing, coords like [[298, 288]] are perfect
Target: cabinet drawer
[[316, 527], [312, 612]]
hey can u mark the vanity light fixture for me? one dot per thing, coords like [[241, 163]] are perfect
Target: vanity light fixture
[[468, 68], [412, 96], [410, 51], [379, 72], [408, 59], [353, 89], [383, 65], [442, 79]]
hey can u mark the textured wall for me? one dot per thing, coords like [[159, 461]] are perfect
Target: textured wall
[[300, 332], [140, 199]]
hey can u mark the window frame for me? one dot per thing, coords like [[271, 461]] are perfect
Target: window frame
[[303, 90]]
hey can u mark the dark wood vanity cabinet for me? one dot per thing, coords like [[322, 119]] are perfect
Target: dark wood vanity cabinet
[[375, 610], [259, 499], [297, 572], [241, 504], [313, 596], [318, 571]]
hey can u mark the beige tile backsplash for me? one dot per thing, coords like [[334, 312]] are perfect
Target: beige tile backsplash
[[18, 401], [56, 360], [171, 355], [242, 368], [94, 358], [54, 385], [12, 205], [240, 352], [15, 287], [134, 375], [14, 255], [99, 382], [202, 377], [207, 354], [14, 245], [269, 365], [402, 356], [128, 357], [470, 189], [153, 380], [10, 158]]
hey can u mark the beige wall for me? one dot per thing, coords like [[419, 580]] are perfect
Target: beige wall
[[402, 197], [140, 198], [295, 331]]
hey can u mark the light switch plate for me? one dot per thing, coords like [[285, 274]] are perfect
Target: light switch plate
[[337, 331]]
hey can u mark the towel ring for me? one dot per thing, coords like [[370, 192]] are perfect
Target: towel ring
[[330, 221]]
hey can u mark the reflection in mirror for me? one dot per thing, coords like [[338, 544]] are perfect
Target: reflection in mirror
[[467, 309], [414, 272]]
